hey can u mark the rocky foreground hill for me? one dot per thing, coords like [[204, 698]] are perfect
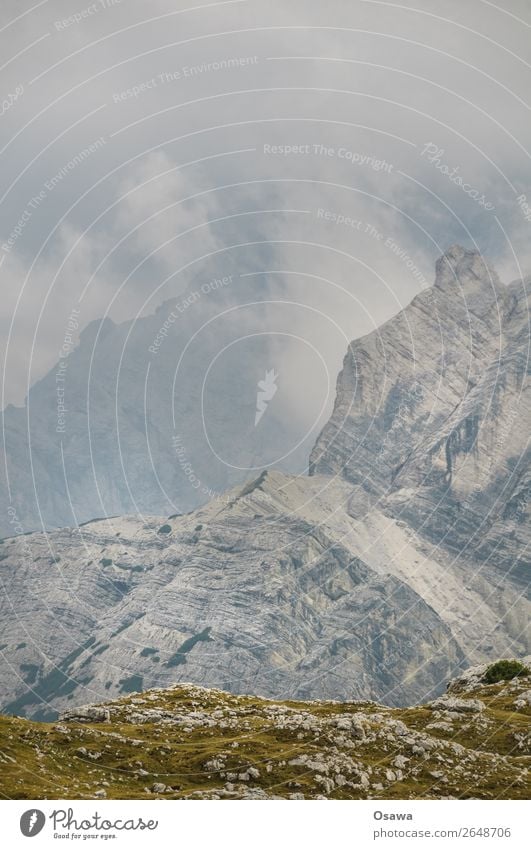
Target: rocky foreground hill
[[402, 559], [192, 742]]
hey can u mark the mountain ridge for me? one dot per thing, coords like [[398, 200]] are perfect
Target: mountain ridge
[[399, 560]]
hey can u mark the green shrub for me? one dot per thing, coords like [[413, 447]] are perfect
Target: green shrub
[[164, 529], [504, 670]]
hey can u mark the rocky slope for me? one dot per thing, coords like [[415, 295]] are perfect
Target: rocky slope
[[401, 559], [275, 589], [246, 595], [190, 742]]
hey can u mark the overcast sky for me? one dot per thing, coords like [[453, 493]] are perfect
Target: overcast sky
[[170, 142]]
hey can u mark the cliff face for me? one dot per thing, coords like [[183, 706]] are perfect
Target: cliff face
[[399, 560], [400, 383], [433, 412]]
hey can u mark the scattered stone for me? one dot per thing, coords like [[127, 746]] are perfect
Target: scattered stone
[[86, 713], [523, 700], [330, 761], [449, 703]]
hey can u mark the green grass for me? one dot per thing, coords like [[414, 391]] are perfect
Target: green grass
[[43, 760]]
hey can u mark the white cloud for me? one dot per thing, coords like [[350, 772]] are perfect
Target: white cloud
[[408, 77]]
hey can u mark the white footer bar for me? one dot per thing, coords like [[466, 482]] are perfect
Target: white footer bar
[[253, 825]]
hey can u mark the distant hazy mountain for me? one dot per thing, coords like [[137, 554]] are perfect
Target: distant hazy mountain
[[399, 560], [160, 412]]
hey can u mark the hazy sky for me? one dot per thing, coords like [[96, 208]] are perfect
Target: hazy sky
[[319, 145]]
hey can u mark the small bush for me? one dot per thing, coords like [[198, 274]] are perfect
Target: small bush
[[164, 529], [504, 670]]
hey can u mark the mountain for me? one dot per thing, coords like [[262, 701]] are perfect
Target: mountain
[[160, 411], [432, 417], [250, 596], [188, 742], [398, 561]]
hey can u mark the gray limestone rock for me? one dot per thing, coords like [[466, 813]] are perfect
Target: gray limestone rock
[[396, 564]]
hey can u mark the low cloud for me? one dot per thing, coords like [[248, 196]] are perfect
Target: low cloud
[[186, 188]]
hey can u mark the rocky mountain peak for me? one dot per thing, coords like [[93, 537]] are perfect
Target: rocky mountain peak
[[459, 266], [470, 282], [436, 405]]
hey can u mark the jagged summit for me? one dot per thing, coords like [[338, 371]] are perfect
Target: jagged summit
[[471, 284], [459, 266]]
